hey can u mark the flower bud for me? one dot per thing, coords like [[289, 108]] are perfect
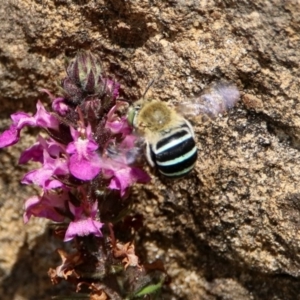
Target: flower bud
[[84, 78]]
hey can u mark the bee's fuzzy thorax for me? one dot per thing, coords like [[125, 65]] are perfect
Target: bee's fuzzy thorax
[[157, 116]]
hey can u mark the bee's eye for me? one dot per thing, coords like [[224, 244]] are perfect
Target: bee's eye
[[132, 112], [131, 115]]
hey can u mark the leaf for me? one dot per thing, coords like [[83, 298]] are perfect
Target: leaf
[[149, 289]]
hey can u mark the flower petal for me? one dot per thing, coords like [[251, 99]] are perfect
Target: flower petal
[[84, 168], [34, 153], [82, 228], [60, 106], [12, 135], [44, 118], [46, 206]]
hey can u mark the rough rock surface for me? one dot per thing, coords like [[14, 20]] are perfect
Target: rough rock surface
[[230, 230]]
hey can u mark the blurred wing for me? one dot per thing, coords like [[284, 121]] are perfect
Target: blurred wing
[[130, 153], [213, 101]]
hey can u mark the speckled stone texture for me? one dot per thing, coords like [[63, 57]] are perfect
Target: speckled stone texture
[[230, 230]]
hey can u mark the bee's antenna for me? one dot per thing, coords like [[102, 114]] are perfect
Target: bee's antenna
[[152, 82]]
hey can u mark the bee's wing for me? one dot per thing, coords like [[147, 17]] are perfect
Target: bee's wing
[[130, 151], [213, 101], [136, 153]]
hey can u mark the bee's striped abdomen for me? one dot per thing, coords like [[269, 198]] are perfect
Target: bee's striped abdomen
[[176, 153]]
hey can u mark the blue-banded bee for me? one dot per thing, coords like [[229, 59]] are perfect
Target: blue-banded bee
[[169, 136]]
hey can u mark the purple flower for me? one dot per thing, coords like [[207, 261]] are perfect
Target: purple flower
[[47, 206], [42, 118], [60, 106], [35, 152], [115, 123], [84, 222], [126, 176], [54, 162], [84, 162], [11, 135], [122, 176], [45, 119], [90, 139]]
